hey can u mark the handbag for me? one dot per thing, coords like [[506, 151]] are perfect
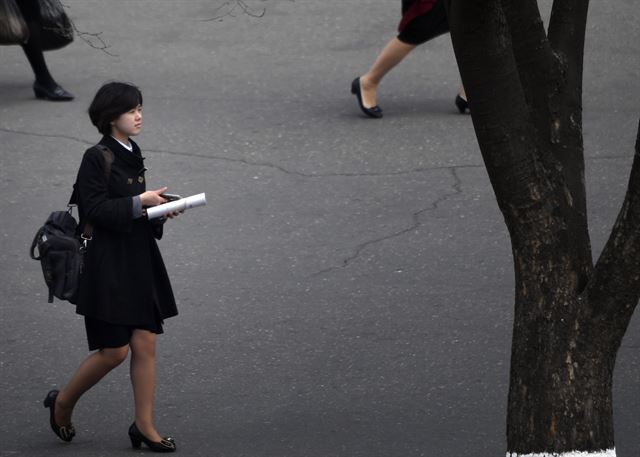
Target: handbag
[[13, 28], [56, 28], [60, 249]]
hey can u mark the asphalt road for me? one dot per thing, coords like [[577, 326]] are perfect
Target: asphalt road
[[348, 289]]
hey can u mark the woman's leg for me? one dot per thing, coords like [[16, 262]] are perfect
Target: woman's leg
[[92, 370], [461, 102], [33, 50], [392, 54], [45, 86], [143, 379]]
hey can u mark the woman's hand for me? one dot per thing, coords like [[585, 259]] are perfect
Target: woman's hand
[[152, 197]]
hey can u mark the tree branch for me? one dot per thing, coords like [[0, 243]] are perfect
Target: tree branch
[[567, 29], [545, 91], [530, 191], [482, 45], [542, 74], [615, 285], [534, 58], [94, 40]]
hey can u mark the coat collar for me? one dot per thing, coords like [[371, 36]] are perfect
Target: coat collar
[[130, 157]]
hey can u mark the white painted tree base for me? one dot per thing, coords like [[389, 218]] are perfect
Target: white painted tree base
[[607, 453]]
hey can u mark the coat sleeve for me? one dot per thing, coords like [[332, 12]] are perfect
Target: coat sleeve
[[93, 196]]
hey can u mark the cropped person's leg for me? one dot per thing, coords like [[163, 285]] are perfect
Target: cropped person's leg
[[90, 371], [461, 101], [392, 54], [35, 56], [44, 86], [143, 380]]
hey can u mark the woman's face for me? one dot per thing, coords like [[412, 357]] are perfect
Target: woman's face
[[128, 124]]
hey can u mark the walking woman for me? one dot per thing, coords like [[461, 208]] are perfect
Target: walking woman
[[422, 20], [125, 293]]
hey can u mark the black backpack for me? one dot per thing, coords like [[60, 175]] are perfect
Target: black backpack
[[61, 248], [60, 252]]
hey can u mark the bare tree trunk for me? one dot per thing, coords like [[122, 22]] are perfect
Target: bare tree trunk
[[560, 389], [570, 318]]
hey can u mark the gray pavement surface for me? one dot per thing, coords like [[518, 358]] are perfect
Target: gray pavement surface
[[348, 289]]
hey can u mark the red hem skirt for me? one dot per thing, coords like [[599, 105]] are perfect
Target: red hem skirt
[[422, 20]]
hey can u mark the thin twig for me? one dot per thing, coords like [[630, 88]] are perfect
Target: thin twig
[[230, 8], [93, 39]]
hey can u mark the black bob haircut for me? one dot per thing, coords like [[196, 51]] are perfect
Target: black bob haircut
[[112, 100]]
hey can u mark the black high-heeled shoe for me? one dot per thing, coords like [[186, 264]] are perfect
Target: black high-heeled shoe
[[65, 432], [166, 444], [54, 93], [462, 104], [375, 112]]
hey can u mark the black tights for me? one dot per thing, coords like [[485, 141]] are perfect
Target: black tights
[[33, 47]]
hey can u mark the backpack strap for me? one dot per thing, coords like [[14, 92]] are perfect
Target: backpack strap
[[108, 157], [34, 244]]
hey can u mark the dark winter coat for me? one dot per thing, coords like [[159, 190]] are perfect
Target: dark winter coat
[[124, 280]]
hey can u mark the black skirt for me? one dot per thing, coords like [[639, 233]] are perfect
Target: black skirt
[[101, 335], [427, 26]]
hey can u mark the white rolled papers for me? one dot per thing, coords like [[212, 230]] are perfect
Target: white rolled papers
[[176, 205]]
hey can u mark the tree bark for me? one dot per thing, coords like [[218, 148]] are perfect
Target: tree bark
[[567, 29], [548, 79], [565, 346], [560, 397], [615, 285], [525, 92]]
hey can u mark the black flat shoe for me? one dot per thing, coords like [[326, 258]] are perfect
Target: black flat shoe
[[54, 93], [166, 444], [462, 104], [66, 432], [374, 112]]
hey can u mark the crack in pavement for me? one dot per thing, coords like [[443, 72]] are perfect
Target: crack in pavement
[[45, 135], [359, 248], [252, 163], [278, 167], [457, 190]]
